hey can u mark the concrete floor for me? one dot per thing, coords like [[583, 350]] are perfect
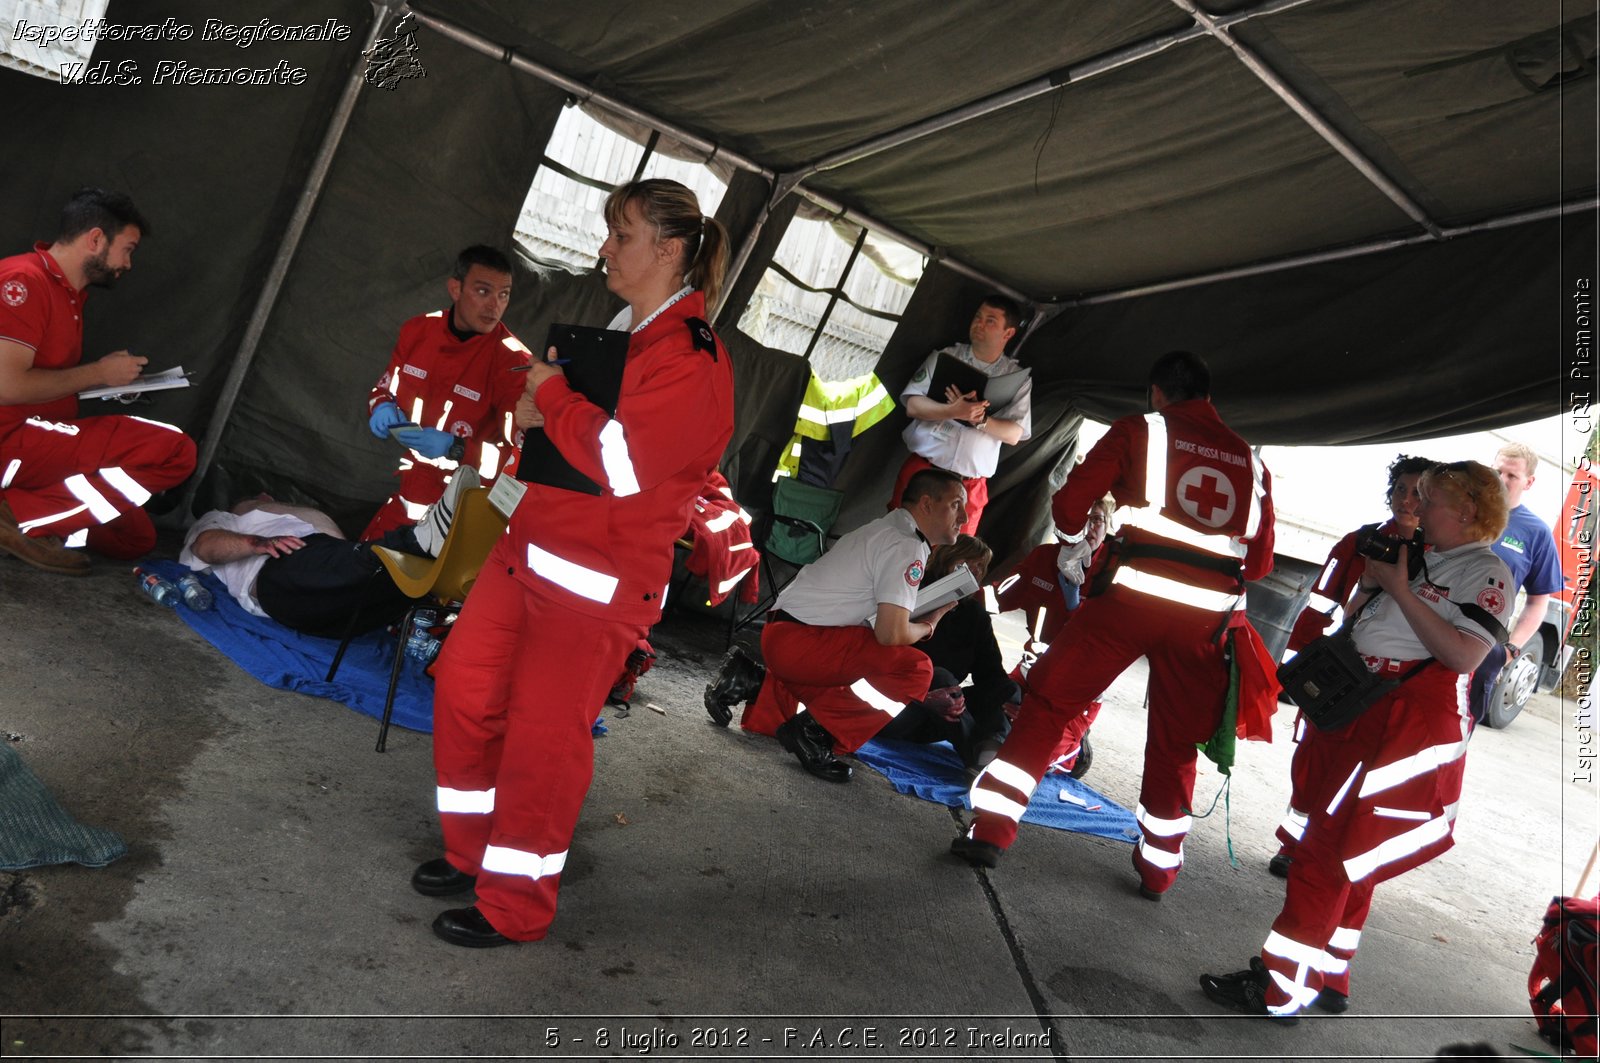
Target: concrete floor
[[718, 902]]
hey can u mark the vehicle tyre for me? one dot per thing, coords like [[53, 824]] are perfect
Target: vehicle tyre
[[1515, 686]]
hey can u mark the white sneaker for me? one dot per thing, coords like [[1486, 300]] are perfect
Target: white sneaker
[[434, 526]]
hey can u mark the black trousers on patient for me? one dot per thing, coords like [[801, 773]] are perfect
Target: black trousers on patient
[[984, 719], [315, 589]]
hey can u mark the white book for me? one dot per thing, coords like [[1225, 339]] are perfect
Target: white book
[[162, 381], [944, 590]]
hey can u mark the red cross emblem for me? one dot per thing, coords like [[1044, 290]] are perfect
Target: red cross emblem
[[14, 292], [1492, 600], [1207, 496]]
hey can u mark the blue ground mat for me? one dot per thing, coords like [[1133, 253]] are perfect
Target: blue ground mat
[[934, 773], [35, 831], [289, 660]]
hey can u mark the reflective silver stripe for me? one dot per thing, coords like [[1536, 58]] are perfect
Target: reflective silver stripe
[[1293, 823], [1345, 938], [11, 473], [1008, 774], [617, 461], [155, 424], [53, 426], [77, 539], [728, 584], [130, 488], [506, 861], [1381, 779], [1173, 591], [1335, 965], [1397, 848], [1401, 813], [29, 525], [414, 510], [512, 343], [826, 417], [1258, 491], [1294, 951], [102, 510], [1300, 994], [1220, 545], [1162, 828], [1155, 462], [1338, 798], [999, 804], [473, 802], [722, 521], [876, 698], [1161, 858], [584, 582]]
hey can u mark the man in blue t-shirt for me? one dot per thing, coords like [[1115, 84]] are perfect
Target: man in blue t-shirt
[[1529, 551]]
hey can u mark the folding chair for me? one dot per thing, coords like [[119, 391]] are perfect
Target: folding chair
[[443, 580], [798, 528]]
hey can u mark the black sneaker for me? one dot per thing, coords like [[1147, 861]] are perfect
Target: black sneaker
[[1279, 864], [1332, 1001], [738, 680], [1080, 767], [1244, 991], [976, 853]]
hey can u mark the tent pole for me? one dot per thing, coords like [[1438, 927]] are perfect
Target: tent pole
[[1312, 117], [1354, 251], [1076, 72], [280, 264]]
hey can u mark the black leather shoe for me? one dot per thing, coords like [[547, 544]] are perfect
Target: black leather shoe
[[1332, 1001], [1244, 991], [1279, 864], [468, 927], [976, 853], [738, 680], [1080, 767], [809, 741], [439, 878], [1149, 894]]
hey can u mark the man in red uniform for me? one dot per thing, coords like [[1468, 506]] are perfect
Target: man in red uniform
[[67, 482], [1198, 524], [453, 376], [838, 647]]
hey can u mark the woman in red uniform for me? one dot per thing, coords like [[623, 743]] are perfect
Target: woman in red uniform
[[1382, 790], [578, 578]]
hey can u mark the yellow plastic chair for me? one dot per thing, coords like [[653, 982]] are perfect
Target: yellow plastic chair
[[444, 580]]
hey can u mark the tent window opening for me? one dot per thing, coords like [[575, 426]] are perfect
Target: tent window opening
[[54, 40], [563, 218], [833, 295]]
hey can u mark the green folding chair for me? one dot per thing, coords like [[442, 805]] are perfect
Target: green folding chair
[[798, 528]]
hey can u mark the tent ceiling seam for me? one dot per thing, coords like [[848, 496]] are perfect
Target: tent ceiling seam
[[1311, 116]]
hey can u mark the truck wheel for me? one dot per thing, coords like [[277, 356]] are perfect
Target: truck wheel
[[1515, 686]]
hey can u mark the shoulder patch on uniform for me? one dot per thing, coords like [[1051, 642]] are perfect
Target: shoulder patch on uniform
[[1492, 600], [702, 337], [914, 574], [922, 374], [14, 292]]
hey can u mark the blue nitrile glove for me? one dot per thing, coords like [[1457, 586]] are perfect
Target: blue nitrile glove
[[429, 442], [385, 417]]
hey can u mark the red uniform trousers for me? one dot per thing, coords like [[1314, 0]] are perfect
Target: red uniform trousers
[[420, 486], [851, 684], [521, 681], [1065, 755], [1293, 825], [977, 491], [1188, 684], [1381, 796], [92, 475]]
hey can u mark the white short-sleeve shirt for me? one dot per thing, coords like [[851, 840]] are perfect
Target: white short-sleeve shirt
[[878, 563], [240, 576], [955, 445], [1470, 573]]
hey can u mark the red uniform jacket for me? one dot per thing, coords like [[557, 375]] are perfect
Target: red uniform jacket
[[465, 388], [610, 554]]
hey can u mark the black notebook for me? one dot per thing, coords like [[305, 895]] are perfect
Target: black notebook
[[595, 358], [999, 390]]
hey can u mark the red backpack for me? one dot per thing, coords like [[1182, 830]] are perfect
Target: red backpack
[[1561, 986]]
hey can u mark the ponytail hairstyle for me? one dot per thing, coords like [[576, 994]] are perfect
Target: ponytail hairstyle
[[673, 211]]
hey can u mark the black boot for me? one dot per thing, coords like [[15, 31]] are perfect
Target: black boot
[[809, 741], [738, 680]]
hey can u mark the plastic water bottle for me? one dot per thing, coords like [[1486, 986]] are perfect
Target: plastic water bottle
[[421, 645], [161, 590], [195, 595]]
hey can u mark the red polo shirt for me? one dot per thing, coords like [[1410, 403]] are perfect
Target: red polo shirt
[[40, 309]]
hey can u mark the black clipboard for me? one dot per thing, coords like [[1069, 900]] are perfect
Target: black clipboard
[[950, 370], [595, 359]]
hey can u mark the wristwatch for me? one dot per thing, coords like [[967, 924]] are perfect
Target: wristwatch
[[457, 449]]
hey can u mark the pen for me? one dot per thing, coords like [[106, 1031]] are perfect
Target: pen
[[553, 361]]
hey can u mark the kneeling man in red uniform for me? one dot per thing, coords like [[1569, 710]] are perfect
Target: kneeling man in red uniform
[[66, 482]]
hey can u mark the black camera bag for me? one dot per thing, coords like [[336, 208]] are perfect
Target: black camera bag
[[1331, 684]]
